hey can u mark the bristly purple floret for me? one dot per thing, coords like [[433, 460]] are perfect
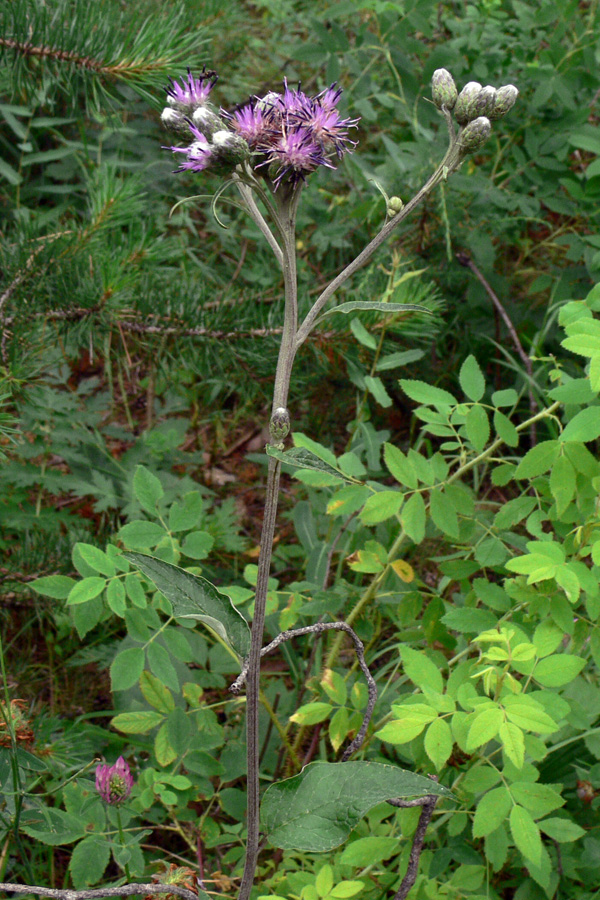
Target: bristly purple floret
[[253, 123], [198, 153], [330, 96], [328, 128], [293, 102], [192, 91], [295, 153]]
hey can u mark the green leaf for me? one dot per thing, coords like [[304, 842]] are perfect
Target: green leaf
[[311, 713], [376, 387], [347, 500], [400, 467], [471, 379], [334, 686], [584, 426], [413, 518], [526, 834], [438, 743], [558, 669], [538, 460], [505, 429], [140, 722], [421, 670], [539, 799], [507, 397], [52, 826], [528, 714], [56, 586], [491, 811], [89, 860], [409, 721], [513, 743], [477, 426], [186, 513], [467, 620], [193, 597], [484, 727], [381, 506], [155, 692], [562, 830], [421, 392], [562, 483], [317, 809], [86, 589], [402, 358], [302, 458], [115, 597], [126, 668], [161, 665], [368, 851], [197, 544], [443, 513], [147, 489], [141, 535]]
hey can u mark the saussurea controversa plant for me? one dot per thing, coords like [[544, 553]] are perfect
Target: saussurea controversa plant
[[267, 150]]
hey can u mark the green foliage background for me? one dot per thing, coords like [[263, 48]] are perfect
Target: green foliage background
[[137, 353]]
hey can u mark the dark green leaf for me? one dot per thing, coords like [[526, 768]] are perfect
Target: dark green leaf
[[317, 809], [193, 597]]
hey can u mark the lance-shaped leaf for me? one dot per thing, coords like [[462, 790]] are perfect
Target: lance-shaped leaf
[[302, 458], [377, 305], [193, 597], [317, 809]]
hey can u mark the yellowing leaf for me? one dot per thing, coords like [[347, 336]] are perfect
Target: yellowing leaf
[[403, 570]]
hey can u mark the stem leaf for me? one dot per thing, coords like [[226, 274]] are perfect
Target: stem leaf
[[193, 597], [317, 809]]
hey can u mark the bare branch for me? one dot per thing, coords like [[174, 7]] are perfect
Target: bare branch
[[125, 890], [319, 629]]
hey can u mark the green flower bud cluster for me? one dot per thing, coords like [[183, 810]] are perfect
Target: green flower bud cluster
[[474, 108]]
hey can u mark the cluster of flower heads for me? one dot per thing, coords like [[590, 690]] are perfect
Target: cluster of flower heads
[[474, 108], [114, 783], [283, 136]]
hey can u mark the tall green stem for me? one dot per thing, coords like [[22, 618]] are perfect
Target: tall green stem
[[287, 214]]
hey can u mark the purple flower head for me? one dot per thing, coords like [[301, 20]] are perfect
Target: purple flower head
[[197, 154], [294, 155], [328, 128], [114, 783], [192, 92], [253, 123]]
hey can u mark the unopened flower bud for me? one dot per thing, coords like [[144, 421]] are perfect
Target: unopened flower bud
[[505, 100], [207, 121], [484, 102], [462, 107], [228, 150], [279, 426], [394, 206], [443, 89], [173, 120], [475, 135]]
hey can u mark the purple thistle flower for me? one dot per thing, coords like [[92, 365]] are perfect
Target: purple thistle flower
[[294, 154], [192, 92], [327, 128], [253, 123], [198, 154], [114, 783]]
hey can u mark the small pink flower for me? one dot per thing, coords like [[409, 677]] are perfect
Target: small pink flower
[[114, 783]]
